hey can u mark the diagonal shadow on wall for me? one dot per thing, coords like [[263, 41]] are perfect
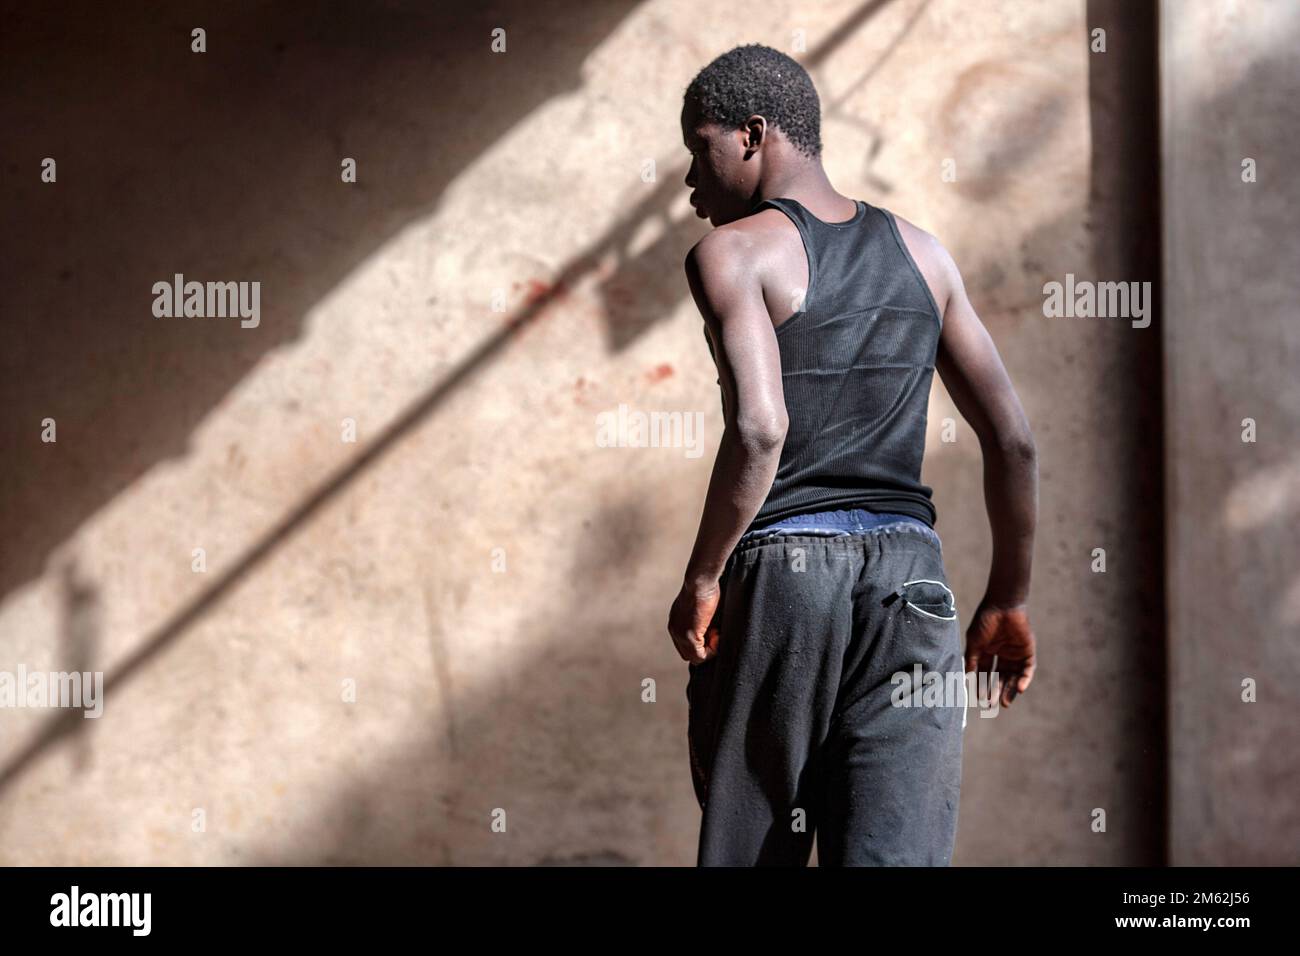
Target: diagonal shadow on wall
[[223, 165], [119, 394]]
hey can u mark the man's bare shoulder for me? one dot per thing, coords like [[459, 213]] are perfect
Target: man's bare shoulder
[[739, 247], [932, 258]]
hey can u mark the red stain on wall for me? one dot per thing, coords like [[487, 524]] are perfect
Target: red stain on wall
[[538, 292], [582, 391], [538, 295], [659, 373]]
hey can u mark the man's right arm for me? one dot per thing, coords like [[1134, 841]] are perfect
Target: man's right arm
[[972, 371]]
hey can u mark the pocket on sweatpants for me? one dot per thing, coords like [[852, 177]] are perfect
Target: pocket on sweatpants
[[929, 597], [929, 609]]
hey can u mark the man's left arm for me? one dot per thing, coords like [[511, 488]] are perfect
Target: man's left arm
[[728, 291]]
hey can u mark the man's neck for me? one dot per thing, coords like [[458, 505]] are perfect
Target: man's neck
[[808, 184]]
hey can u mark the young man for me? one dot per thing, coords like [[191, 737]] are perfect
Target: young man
[[816, 579]]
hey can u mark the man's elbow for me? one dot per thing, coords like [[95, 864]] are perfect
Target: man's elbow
[[762, 434], [1016, 444]]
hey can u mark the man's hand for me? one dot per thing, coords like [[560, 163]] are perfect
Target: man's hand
[[1004, 632], [690, 622]]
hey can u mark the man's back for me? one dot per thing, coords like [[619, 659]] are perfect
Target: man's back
[[856, 364]]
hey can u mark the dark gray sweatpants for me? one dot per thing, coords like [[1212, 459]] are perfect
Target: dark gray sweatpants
[[814, 718]]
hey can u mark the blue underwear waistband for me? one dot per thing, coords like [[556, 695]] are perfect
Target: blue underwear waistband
[[844, 522]]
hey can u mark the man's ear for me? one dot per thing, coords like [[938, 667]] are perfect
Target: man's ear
[[755, 133]]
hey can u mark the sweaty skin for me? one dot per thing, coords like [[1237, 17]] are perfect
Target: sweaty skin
[[747, 277]]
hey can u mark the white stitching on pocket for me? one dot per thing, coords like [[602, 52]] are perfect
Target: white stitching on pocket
[[952, 597]]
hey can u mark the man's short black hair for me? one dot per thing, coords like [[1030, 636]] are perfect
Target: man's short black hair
[[758, 79]]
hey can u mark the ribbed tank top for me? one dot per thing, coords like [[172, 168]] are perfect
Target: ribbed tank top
[[856, 366]]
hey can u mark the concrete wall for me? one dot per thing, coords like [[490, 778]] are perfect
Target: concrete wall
[[516, 180], [1231, 93]]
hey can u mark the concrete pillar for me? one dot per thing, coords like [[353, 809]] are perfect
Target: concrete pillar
[[1230, 95]]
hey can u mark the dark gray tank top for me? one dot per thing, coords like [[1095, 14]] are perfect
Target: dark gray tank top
[[856, 366]]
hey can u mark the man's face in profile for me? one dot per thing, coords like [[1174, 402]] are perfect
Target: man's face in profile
[[720, 179]]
